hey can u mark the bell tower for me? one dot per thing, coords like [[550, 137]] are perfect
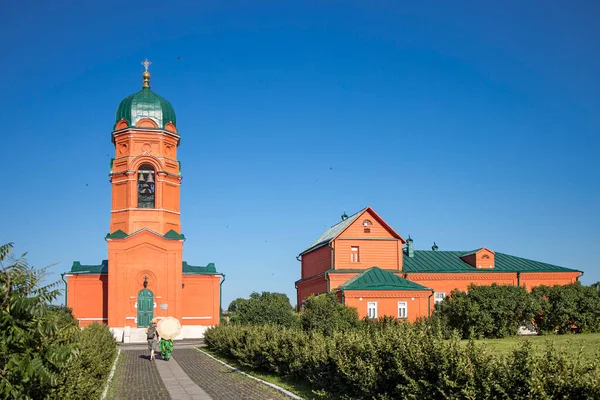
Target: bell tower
[[145, 174], [145, 243], [145, 276]]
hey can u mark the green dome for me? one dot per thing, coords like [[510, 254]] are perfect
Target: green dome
[[146, 104]]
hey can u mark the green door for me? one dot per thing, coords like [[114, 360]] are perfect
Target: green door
[[145, 308]]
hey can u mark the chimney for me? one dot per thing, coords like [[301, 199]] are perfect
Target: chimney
[[409, 247], [434, 247]]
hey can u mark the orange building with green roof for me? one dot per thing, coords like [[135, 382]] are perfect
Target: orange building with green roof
[[144, 275], [375, 270]]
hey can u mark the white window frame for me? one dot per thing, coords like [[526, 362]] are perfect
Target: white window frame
[[354, 254], [436, 299], [372, 305], [403, 309]]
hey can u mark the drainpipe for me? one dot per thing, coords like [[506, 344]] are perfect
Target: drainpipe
[[343, 298], [62, 276], [429, 304], [518, 279], [221, 299], [332, 264]]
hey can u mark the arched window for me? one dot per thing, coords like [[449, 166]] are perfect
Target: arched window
[[366, 222], [146, 186]]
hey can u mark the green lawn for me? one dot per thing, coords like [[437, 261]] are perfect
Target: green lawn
[[585, 345]]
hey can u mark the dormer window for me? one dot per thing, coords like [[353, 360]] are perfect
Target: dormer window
[[146, 186]]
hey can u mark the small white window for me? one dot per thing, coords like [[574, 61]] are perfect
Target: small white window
[[438, 297], [354, 254], [372, 309], [402, 309], [366, 222]]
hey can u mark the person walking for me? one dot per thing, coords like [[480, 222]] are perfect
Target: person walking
[[152, 336]]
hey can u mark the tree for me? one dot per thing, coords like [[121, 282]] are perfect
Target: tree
[[263, 308], [567, 308], [323, 313], [494, 311], [36, 341]]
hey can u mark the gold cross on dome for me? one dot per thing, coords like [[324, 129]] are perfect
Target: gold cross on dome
[[146, 64]]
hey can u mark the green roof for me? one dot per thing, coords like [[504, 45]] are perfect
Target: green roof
[[146, 104], [77, 268], [332, 232], [379, 279], [118, 234], [190, 269], [450, 261], [171, 235]]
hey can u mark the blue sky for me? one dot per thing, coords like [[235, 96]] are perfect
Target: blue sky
[[469, 124]]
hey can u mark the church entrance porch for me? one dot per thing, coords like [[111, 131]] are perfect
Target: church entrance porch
[[145, 308]]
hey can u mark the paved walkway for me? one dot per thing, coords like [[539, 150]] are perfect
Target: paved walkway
[[189, 374], [179, 385]]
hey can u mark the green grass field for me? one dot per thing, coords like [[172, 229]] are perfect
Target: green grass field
[[584, 345]]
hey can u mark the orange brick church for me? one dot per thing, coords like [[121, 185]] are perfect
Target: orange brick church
[[145, 275], [373, 269]]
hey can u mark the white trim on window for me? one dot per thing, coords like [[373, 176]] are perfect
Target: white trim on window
[[438, 297], [402, 309], [372, 309], [354, 254]]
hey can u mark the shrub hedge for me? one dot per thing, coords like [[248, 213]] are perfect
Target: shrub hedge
[[404, 361], [85, 376]]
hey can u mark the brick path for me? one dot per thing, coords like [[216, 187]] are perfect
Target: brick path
[[136, 377], [219, 381], [188, 375], [179, 385]]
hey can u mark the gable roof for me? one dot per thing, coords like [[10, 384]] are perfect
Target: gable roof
[[378, 279], [470, 253], [337, 229], [450, 261]]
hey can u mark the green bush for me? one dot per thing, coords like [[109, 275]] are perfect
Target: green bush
[[85, 377], [494, 311], [324, 314], [404, 361], [43, 353], [568, 308], [36, 339], [263, 308]]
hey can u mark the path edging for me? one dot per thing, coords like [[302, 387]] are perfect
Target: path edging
[[271, 385], [112, 372]]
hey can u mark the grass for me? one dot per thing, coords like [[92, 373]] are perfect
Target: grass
[[299, 388], [584, 345]]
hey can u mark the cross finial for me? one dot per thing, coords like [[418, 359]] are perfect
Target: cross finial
[[146, 64], [146, 74]]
